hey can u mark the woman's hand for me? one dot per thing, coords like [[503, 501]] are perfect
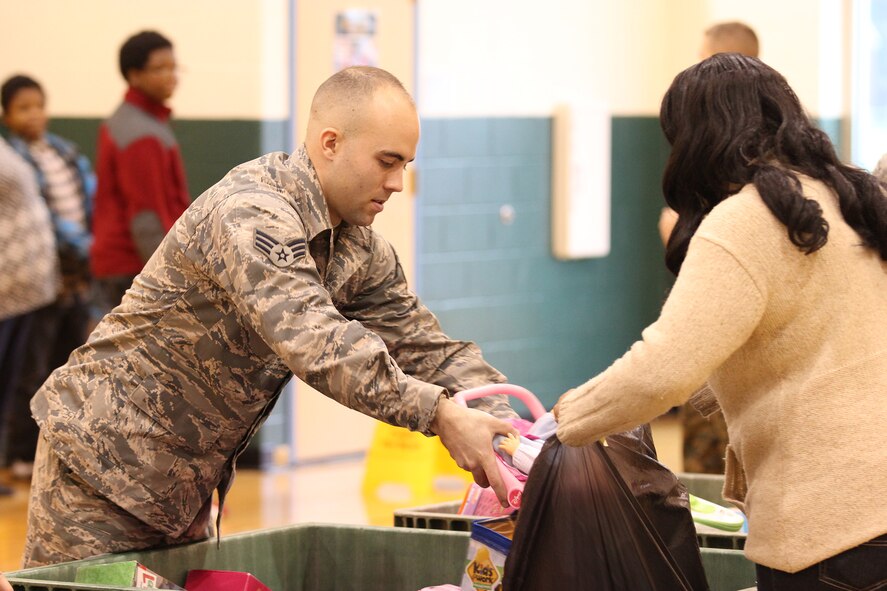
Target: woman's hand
[[557, 407]]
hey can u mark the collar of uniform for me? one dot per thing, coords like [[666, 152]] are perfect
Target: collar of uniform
[[314, 212]]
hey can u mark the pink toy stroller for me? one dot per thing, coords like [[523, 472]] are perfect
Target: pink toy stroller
[[483, 501]]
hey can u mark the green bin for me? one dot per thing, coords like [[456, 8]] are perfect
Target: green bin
[[306, 557], [707, 486], [316, 557]]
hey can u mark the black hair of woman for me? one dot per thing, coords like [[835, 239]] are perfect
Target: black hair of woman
[[732, 120]]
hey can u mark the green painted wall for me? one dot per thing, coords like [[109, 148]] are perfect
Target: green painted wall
[[210, 147], [548, 325], [833, 127]]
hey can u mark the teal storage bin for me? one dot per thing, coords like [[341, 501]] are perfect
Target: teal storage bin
[[307, 557], [319, 557], [707, 486]]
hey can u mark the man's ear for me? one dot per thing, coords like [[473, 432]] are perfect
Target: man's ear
[[330, 142]]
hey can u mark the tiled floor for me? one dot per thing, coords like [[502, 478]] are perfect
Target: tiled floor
[[329, 493]]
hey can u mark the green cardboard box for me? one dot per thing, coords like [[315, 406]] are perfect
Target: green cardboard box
[[125, 574]]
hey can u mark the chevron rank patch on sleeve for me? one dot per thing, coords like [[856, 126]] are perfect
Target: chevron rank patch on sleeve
[[280, 254]]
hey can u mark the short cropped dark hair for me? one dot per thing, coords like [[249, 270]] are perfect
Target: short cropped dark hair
[[15, 84], [356, 83], [733, 36], [136, 50]]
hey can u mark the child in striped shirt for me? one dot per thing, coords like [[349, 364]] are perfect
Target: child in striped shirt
[[67, 183]]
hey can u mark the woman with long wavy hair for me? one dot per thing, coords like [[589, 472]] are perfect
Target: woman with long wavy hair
[[780, 305]]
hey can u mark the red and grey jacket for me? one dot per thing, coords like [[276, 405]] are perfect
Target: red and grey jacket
[[141, 186]]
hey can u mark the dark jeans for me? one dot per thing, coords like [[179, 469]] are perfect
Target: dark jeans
[[56, 330], [14, 334], [863, 568]]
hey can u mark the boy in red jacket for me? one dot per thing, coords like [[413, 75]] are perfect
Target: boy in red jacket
[[141, 180]]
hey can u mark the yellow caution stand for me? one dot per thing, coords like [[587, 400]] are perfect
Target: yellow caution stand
[[406, 469]]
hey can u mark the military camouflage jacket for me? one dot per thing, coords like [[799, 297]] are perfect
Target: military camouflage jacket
[[251, 285]]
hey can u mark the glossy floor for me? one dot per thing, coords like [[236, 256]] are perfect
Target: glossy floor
[[329, 493]]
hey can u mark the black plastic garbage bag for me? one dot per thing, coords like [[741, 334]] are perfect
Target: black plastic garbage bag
[[604, 519], [662, 496]]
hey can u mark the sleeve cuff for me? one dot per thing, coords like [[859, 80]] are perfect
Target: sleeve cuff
[[429, 398]]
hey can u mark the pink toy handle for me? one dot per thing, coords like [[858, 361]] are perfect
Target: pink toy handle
[[522, 394], [514, 488]]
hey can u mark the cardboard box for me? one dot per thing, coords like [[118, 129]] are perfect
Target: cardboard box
[[222, 580], [487, 551], [124, 574]]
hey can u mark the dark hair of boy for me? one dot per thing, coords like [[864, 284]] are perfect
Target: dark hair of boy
[[13, 85], [134, 53]]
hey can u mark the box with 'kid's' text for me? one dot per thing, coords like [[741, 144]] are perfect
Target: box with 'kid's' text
[[487, 551]]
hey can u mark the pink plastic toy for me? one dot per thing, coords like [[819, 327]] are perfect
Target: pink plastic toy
[[514, 487]]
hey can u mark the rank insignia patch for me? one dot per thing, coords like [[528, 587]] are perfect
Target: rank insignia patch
[[282, 255]]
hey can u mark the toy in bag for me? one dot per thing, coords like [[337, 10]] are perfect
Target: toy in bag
[[614, 510], [483, 501]]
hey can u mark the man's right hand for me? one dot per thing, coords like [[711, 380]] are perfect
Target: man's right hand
[[468, 436], [4, 584]]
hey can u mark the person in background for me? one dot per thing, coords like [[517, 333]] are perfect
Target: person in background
[[273, 271], [67, 184], [780, 252], [705, 437], [141, 179], [731, 36], [28, 276]]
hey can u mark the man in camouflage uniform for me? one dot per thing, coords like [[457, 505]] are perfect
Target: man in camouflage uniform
[[272, 271]]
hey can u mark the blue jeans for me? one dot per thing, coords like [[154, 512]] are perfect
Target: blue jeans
[[863, 568], [14, 335]]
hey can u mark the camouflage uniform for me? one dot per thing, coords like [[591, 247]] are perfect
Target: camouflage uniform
[[705, 442], [70, 520], [251, 285], [705, 433]]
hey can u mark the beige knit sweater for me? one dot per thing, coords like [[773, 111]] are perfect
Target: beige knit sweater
[[795, 349]]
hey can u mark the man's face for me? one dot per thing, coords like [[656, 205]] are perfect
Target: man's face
[[26, 114], [369, 161], [158, 79]]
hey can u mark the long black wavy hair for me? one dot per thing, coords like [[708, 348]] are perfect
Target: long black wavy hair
[[732, 120]]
